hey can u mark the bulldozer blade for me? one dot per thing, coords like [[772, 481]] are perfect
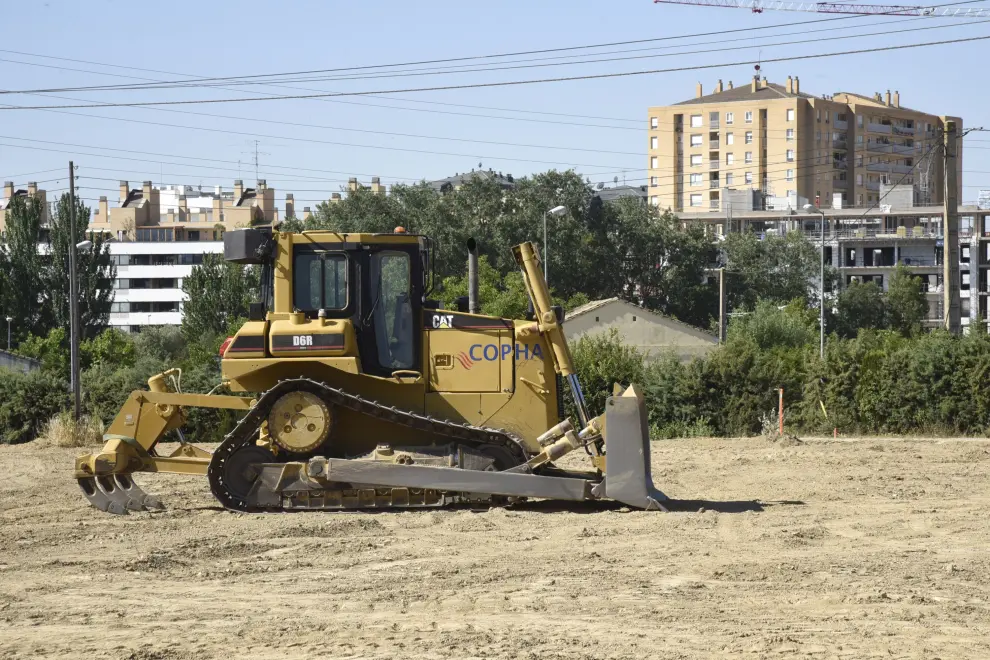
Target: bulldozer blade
[[117, 494], [628, 476]]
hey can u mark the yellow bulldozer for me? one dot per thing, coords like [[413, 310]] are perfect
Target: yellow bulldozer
[[359, 392]]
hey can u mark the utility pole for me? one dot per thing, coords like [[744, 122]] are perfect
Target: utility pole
[[950, 251], [721, 305], [73, 295]]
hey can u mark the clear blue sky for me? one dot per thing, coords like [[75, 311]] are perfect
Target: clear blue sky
[[251, 37]]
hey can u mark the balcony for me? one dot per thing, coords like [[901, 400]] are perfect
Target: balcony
[[879, 128], [713, 204], [840, 184], [903, 130], [839, 164], [841, 124], [902, 149], [713, 124], [902, 169], [714, 184], [873, 185], [879, 147], [839, 144], [713, 164], [878, 167], [916, 262], [713, 145]]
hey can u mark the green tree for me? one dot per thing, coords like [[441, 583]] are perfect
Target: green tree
[[775, 268], [52, 350], [860, 306], [110, 347], [95, 272], [906, 304], [22, 268], [217, 292]]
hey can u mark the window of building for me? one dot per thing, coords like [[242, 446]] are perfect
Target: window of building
[[696, 140], [695, 179], [818, 136], [654, 181], [859, 139], [729, 159], [790, 175], [790, 155], [748, 157], [655, 200], [730, 117], [828, 136], [790, 114], [696, 121], [790, 135], [859, 161], [859, 179], [826, 116], [748, 177], [748, 138], [818, 115], [859, 123], [696, 199], [654, 122], [729, 138], [654, 162], [654, 142], [728, 178], [695, 160], [749, 116]]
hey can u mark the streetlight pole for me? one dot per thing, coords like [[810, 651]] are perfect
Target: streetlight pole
[[555, 211], [10, 320], [821, 294], [821, 284]]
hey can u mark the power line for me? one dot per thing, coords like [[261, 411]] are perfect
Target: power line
[[505, 83], [416, 72]]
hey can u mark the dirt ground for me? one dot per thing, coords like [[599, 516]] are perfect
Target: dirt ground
[[873, 548]]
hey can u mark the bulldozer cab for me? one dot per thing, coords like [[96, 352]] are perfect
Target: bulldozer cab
[[328, 294]]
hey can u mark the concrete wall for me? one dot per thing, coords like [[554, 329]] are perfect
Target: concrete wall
[[17, 363], [641, 329]]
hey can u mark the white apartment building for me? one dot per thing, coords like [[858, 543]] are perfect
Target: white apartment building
[[148, 288]]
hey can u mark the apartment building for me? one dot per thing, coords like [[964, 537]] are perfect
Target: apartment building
[[181, 213], [793, 147], [160, 234], [31, 192]]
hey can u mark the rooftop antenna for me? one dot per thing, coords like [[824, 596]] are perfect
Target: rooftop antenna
[[255, 154]]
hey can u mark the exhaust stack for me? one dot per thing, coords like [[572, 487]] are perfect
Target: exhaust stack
[[473, 306]]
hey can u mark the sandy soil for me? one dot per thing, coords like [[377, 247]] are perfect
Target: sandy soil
[[855, 549]]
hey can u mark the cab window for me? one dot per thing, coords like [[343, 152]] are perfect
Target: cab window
[[319, 281], [394, 329]]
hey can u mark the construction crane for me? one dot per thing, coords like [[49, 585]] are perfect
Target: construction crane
[[759, 6]]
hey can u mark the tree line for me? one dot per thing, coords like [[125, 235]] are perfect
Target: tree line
[[597, 249]]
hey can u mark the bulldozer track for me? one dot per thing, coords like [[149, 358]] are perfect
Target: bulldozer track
[[246, 431]]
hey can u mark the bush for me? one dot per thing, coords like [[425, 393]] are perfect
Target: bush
[[601, 361], [64, 431], [28, 401]]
